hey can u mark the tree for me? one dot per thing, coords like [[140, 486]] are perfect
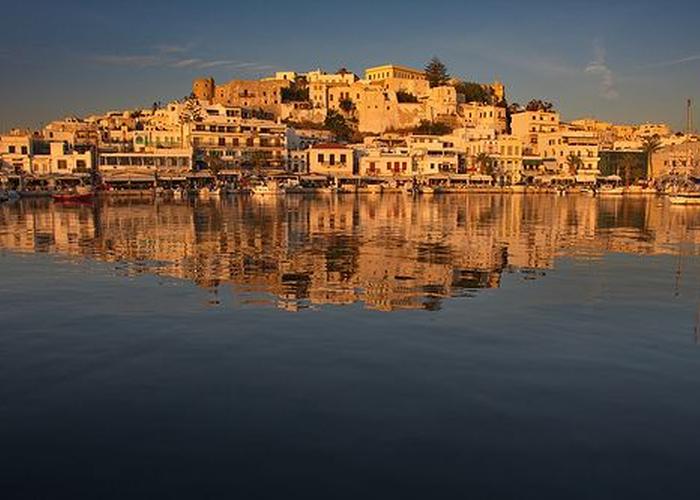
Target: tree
[[298, 91], [484, 162], [650, 145], [432, 128], [404, 96], [347, 105], [539, 105], [214, 162], [258, 161], [191, 112], [336, 123], [627, 162], [515, 108], [574, 162], [474, 92], [436, 72]]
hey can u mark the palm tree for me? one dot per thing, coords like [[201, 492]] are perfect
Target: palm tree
[[574, 162], [483, 160], [650, 145], [628, 162], [190, 113]]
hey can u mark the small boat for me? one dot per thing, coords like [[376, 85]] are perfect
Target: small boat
[[271, 188], [690, 198], [426, 190], [611, 191]]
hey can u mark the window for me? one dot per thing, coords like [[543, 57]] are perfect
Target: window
[[62, 164], [343, 158], [332, 159], [24, 150], [11, 149], [321, 158]]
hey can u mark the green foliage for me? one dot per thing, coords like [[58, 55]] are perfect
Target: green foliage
[[214, 163], [436, 72], [629, 165], [347, 105], [295, 93], [404, 96], [474, 92], [574, 163], [336, 123], [427, 127], [485, 163], [539, 105]]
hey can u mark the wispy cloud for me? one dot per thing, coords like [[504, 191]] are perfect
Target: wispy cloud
[[599, 67], [166, 48], [216, 64], [672, 62], [140, 61], [187, 63], [177, 60]]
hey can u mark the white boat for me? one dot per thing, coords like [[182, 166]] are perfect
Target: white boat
[[269, 189], [617, 191], [685, 198], [426, 190]]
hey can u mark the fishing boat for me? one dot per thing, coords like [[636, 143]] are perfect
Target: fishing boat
[[688, 198], [270, 188], [80, 194], [611, 190]]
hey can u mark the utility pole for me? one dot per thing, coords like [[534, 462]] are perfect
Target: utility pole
[[689, 117]]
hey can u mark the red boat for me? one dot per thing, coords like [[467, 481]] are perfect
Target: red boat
[[73, 197]]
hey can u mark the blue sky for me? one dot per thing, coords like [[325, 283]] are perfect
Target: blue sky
[[627, 61]]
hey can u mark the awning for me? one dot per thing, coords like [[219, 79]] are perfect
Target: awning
[[612, 178], [172, 178], [228, 172], [586, 179], [129, 178], [480, 178], [75, 177], [200, 175], [314, 177]]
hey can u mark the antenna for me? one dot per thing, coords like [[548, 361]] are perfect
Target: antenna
[[689, 117]]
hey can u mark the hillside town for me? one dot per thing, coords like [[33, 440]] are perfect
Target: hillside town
[[393, 129]]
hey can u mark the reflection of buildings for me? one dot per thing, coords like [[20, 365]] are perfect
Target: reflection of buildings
[[390, 252]]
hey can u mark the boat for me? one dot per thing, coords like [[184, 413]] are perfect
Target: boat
[[689, 198], [426, 190], [80, 194], [271, 188], [609, 190]]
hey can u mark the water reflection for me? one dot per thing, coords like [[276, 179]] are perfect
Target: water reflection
[[388, 252]]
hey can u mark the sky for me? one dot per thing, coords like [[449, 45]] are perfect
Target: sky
[[625, 61]]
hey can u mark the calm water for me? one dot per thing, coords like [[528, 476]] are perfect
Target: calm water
[[341, 347]]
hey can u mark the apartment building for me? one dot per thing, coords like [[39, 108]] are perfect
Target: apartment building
[[387, 162], [529, 125], [378, 73], [332, 160], [241, 142]]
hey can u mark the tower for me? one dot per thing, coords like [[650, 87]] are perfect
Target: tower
[[203, 89]]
